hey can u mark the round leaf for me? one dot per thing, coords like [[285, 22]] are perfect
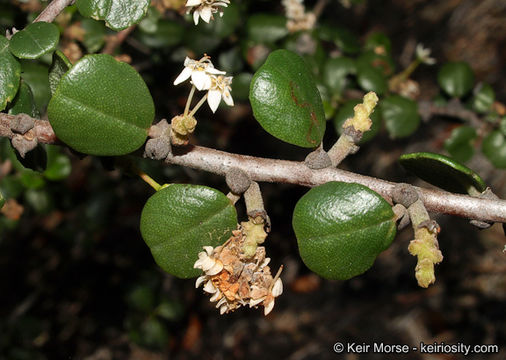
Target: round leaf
[[483, 98], [443, 172], [494, 148], [58, 164], [101, 107], [400, 115], [286, 102], [10, 71], [179, 220], [378, 42], [168, 33], [241, 86], [341, 228], [346, 111], [118, 14], [371, 79], [460, 143], [456, 78], [265, 28], [341, 37], [35, 40]]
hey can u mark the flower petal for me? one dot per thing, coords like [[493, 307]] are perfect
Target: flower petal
[[193, 2], [196, 14], [213, 99], [212, 70], [215, 297], [217, 267], [255, 302], [268, 308], [208, 249], [209, 287], [200, 280], [185, 74], [206, 13], [277, 289], [223, 309], [228, 98], [201, 80]]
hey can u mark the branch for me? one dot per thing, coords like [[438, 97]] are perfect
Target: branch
[[294, 172], [52, 10], [113, 41]]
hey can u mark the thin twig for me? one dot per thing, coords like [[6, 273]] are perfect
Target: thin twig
[[52, 10], [116, 40], [294, 172], [318, 8]]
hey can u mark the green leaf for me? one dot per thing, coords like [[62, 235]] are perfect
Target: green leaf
[[460, 143], [456, 78], [494, 148], [24, 102], [345, 112], [35, 40], [384, 63], [335, 73], [39, 200], [341, 37], [341, 228], [400, 115], [142, 298], [2, 200], [32, 179], [36, 76], [371, 79], [94, 35], [443, 172], [231, 61], [286, 102], [118, 14], [266, 28], [483, 98], [10, 71], [179, 220], [101, 107], [59, 66], [58, 164]]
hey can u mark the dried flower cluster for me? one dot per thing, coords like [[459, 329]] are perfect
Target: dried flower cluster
[[298, 18], [235, 279], [206, 8], [205, 76]]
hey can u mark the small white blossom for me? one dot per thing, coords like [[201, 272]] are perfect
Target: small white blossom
[[206, 8], [200, 72], [220, 88], [298, 18], [423, 54]]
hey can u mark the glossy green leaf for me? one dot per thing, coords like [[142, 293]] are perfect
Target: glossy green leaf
[[36, 76], [94, 34], [266, 28], [335, 73], [59, 66], [10, 71], [101, 107], [58, 164], [341, 37], [35, 40], [460, 143], [382, 62], [341, 228], [179, 220], [483, 98], [443, 172], [345, 112], [118, 14], [24, 102], [286, 102], [378, 42], [494, 148], [400, 115], [371, 79], [456, 78]]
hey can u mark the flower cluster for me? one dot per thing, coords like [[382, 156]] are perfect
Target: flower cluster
[[204, 76], [235, 279], [206, 8], [298, 19], [423, 54]]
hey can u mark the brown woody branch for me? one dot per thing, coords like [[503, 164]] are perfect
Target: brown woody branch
[[52, 10], [294, 172]]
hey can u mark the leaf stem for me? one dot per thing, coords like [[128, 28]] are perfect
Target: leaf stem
[[149, 180], [189, 101], [202, 101]]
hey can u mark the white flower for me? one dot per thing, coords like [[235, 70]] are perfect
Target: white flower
[[200, 72], [423, 54], [220, 88], [206, 8]]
